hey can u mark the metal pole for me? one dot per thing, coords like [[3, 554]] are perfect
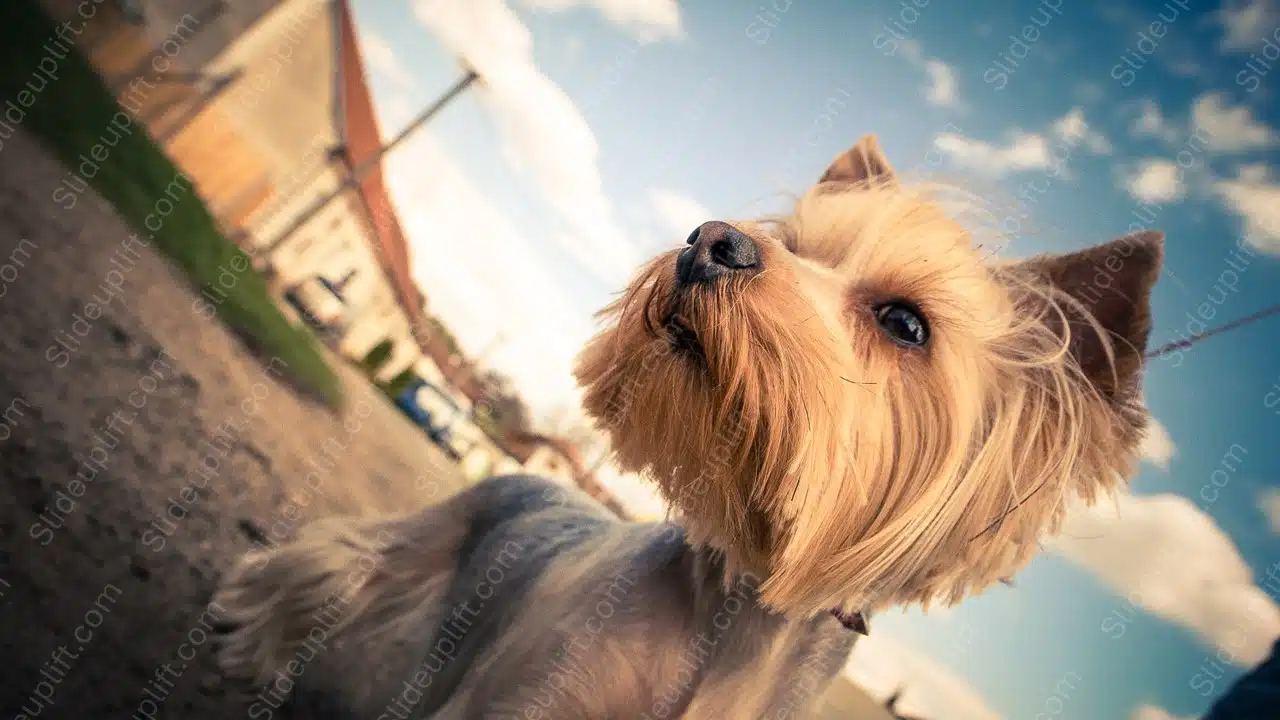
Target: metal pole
[[359, 171]]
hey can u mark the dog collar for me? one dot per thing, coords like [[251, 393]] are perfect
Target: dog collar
[[855, 621]]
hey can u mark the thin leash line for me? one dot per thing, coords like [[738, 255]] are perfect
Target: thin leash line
[[1188, 342]]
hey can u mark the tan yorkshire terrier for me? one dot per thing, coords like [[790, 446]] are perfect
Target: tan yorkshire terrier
[[848, 409]]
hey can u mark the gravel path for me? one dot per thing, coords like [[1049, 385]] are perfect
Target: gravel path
[[142, 448]]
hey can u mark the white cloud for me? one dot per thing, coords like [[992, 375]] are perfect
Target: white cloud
[[646, 19], [1230, 128], [1151, 121], [1155, 181], [930, 689], [1165, 555], [1223, 128], [1157, 447], [1255, 198], [1023, 151], [1269, 504], [383, 59], [677, 213], [1073, 129], [943, 89], [477, 298], [1151, 712], [544, 135], [1245, 23], [1214, 120]]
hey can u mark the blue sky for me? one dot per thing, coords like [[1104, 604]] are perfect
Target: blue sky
[[609, 129]]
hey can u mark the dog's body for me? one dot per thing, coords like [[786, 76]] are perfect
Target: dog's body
[[849, 408], [555, 609]]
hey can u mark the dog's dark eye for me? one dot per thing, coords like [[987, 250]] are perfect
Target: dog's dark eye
[[903, 324]]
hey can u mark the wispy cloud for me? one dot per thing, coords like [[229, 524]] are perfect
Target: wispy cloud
[[1023, 151], [1254, 197], [1218, 128], [1073, 129], [544, 134], [1165, 555], [1154, 180], [1244, 22], [1230, 128], [943, 88], [1157, 446], [648, 20], [1269, 504], [1218, 125], [1151, 121]]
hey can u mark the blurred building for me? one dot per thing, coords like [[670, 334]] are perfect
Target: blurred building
[[159, 58], [265, 106]]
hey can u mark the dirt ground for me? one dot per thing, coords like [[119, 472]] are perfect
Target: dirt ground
[[142, 448]]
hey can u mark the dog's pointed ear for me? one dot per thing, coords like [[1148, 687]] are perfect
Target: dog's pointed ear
[[1112, 282], [864, 162]]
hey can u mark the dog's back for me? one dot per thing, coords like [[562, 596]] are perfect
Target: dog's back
[[525, 599], [524, 529]]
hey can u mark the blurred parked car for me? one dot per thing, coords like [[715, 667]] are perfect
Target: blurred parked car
[[435, 411]]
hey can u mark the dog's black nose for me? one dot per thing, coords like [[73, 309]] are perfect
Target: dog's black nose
[[715, 249]]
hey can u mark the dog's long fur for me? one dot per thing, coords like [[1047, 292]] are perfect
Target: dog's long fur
[[548, 607], [814, 465]]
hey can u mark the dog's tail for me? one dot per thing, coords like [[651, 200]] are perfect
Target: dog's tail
[[344, 582]]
